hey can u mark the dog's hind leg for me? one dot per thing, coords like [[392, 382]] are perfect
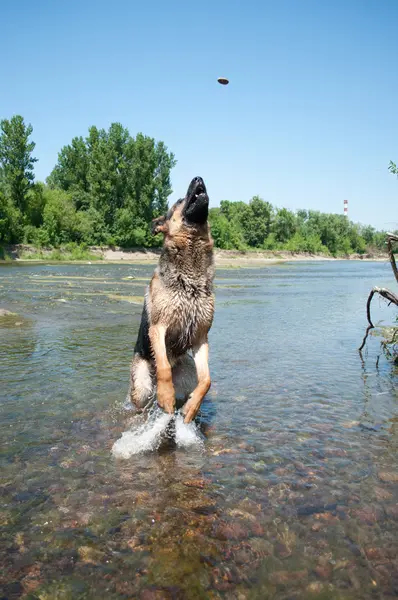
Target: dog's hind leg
[[142, 382], [185, 378]]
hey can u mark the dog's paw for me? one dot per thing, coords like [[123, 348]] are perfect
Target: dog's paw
[[190, 410]]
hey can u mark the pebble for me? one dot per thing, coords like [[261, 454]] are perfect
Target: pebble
[[133, 543], [315, 587], [257, 529], [197, 483], [155, 594], [262, 547], [367, 514], [341, 564], [231, 531], [350, 424], [283, 577], [392, 511], [380, 555], [382, 494], [388, 476], [90, 555], [327, 516], [240, 514], [323, 571], [224, 578], [32, 580], [282, 550], [6, 313]]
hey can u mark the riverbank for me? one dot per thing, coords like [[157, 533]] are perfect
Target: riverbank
[[25, 253]]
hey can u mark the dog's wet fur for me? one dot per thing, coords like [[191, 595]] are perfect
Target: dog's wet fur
[[178, 311]]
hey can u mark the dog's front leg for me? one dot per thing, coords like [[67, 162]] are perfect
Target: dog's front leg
[[201, 358], [165, 388]]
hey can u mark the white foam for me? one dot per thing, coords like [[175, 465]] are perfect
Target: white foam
[[186, 434], [148, 436], [144, 438]]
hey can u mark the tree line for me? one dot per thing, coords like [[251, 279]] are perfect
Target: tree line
[[107, 187], [259, 225]]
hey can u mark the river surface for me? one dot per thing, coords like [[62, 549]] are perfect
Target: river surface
[[289, 488]]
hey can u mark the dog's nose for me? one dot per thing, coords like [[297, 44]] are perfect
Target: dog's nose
[[198, 180]]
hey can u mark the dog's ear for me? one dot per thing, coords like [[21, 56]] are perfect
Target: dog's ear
[[159, 225]]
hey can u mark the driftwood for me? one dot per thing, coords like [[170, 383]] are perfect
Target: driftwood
[[383, 292]]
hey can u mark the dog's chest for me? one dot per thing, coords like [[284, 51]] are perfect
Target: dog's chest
[[191, 319]]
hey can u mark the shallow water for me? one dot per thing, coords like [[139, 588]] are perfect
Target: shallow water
[[292, 490]]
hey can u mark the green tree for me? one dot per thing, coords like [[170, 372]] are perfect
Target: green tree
[[10, 221], [284, 225], [60, 224], [368, 233], [34, 205], [16, 160], [226, 234], [124, 180], [256, 222], [71, 172]]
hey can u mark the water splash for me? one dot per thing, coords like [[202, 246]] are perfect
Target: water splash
[[148, 436], [187, 434]]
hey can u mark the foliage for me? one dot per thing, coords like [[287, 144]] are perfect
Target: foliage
[[256, 220], [392, 167], [389, 343], [284, 225], [259, 225], [10, 221], [4, 255], [16, 160], [107, 187], [124, 182]]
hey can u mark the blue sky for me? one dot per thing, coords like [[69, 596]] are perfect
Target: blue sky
[[309, 118]]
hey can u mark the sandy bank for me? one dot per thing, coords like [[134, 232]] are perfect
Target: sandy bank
[[233, 258]]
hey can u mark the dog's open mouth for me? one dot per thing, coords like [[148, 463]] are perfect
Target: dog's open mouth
[[196, 210], [196, 189], [199, 190]]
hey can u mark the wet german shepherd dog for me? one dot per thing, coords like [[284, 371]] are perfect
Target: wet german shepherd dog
[[178, 311]]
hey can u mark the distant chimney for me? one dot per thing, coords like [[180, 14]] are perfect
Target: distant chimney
[[346, 208]]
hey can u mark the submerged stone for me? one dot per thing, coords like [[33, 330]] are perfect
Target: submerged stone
[[388, 476], [7, 313], [284, 577]]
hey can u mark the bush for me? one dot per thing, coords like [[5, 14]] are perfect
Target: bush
[[130, 232], [11, 228], [90, 227], [271, 243], [226, 234], [35, 203], [59, 218]]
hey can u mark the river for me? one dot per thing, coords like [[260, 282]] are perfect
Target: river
[[289, 489]]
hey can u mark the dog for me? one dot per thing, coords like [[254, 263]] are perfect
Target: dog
[[178, 311]]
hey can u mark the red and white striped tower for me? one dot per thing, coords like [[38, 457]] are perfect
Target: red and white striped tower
[[346, 208]]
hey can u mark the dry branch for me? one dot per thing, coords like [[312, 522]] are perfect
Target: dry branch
[[391, 237], [383, 292]]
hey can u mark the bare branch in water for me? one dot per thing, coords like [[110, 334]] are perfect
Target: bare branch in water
[[385, 293], [391, 237], [390, 296]]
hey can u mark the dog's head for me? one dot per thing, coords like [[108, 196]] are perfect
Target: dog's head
[[187, 213]]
